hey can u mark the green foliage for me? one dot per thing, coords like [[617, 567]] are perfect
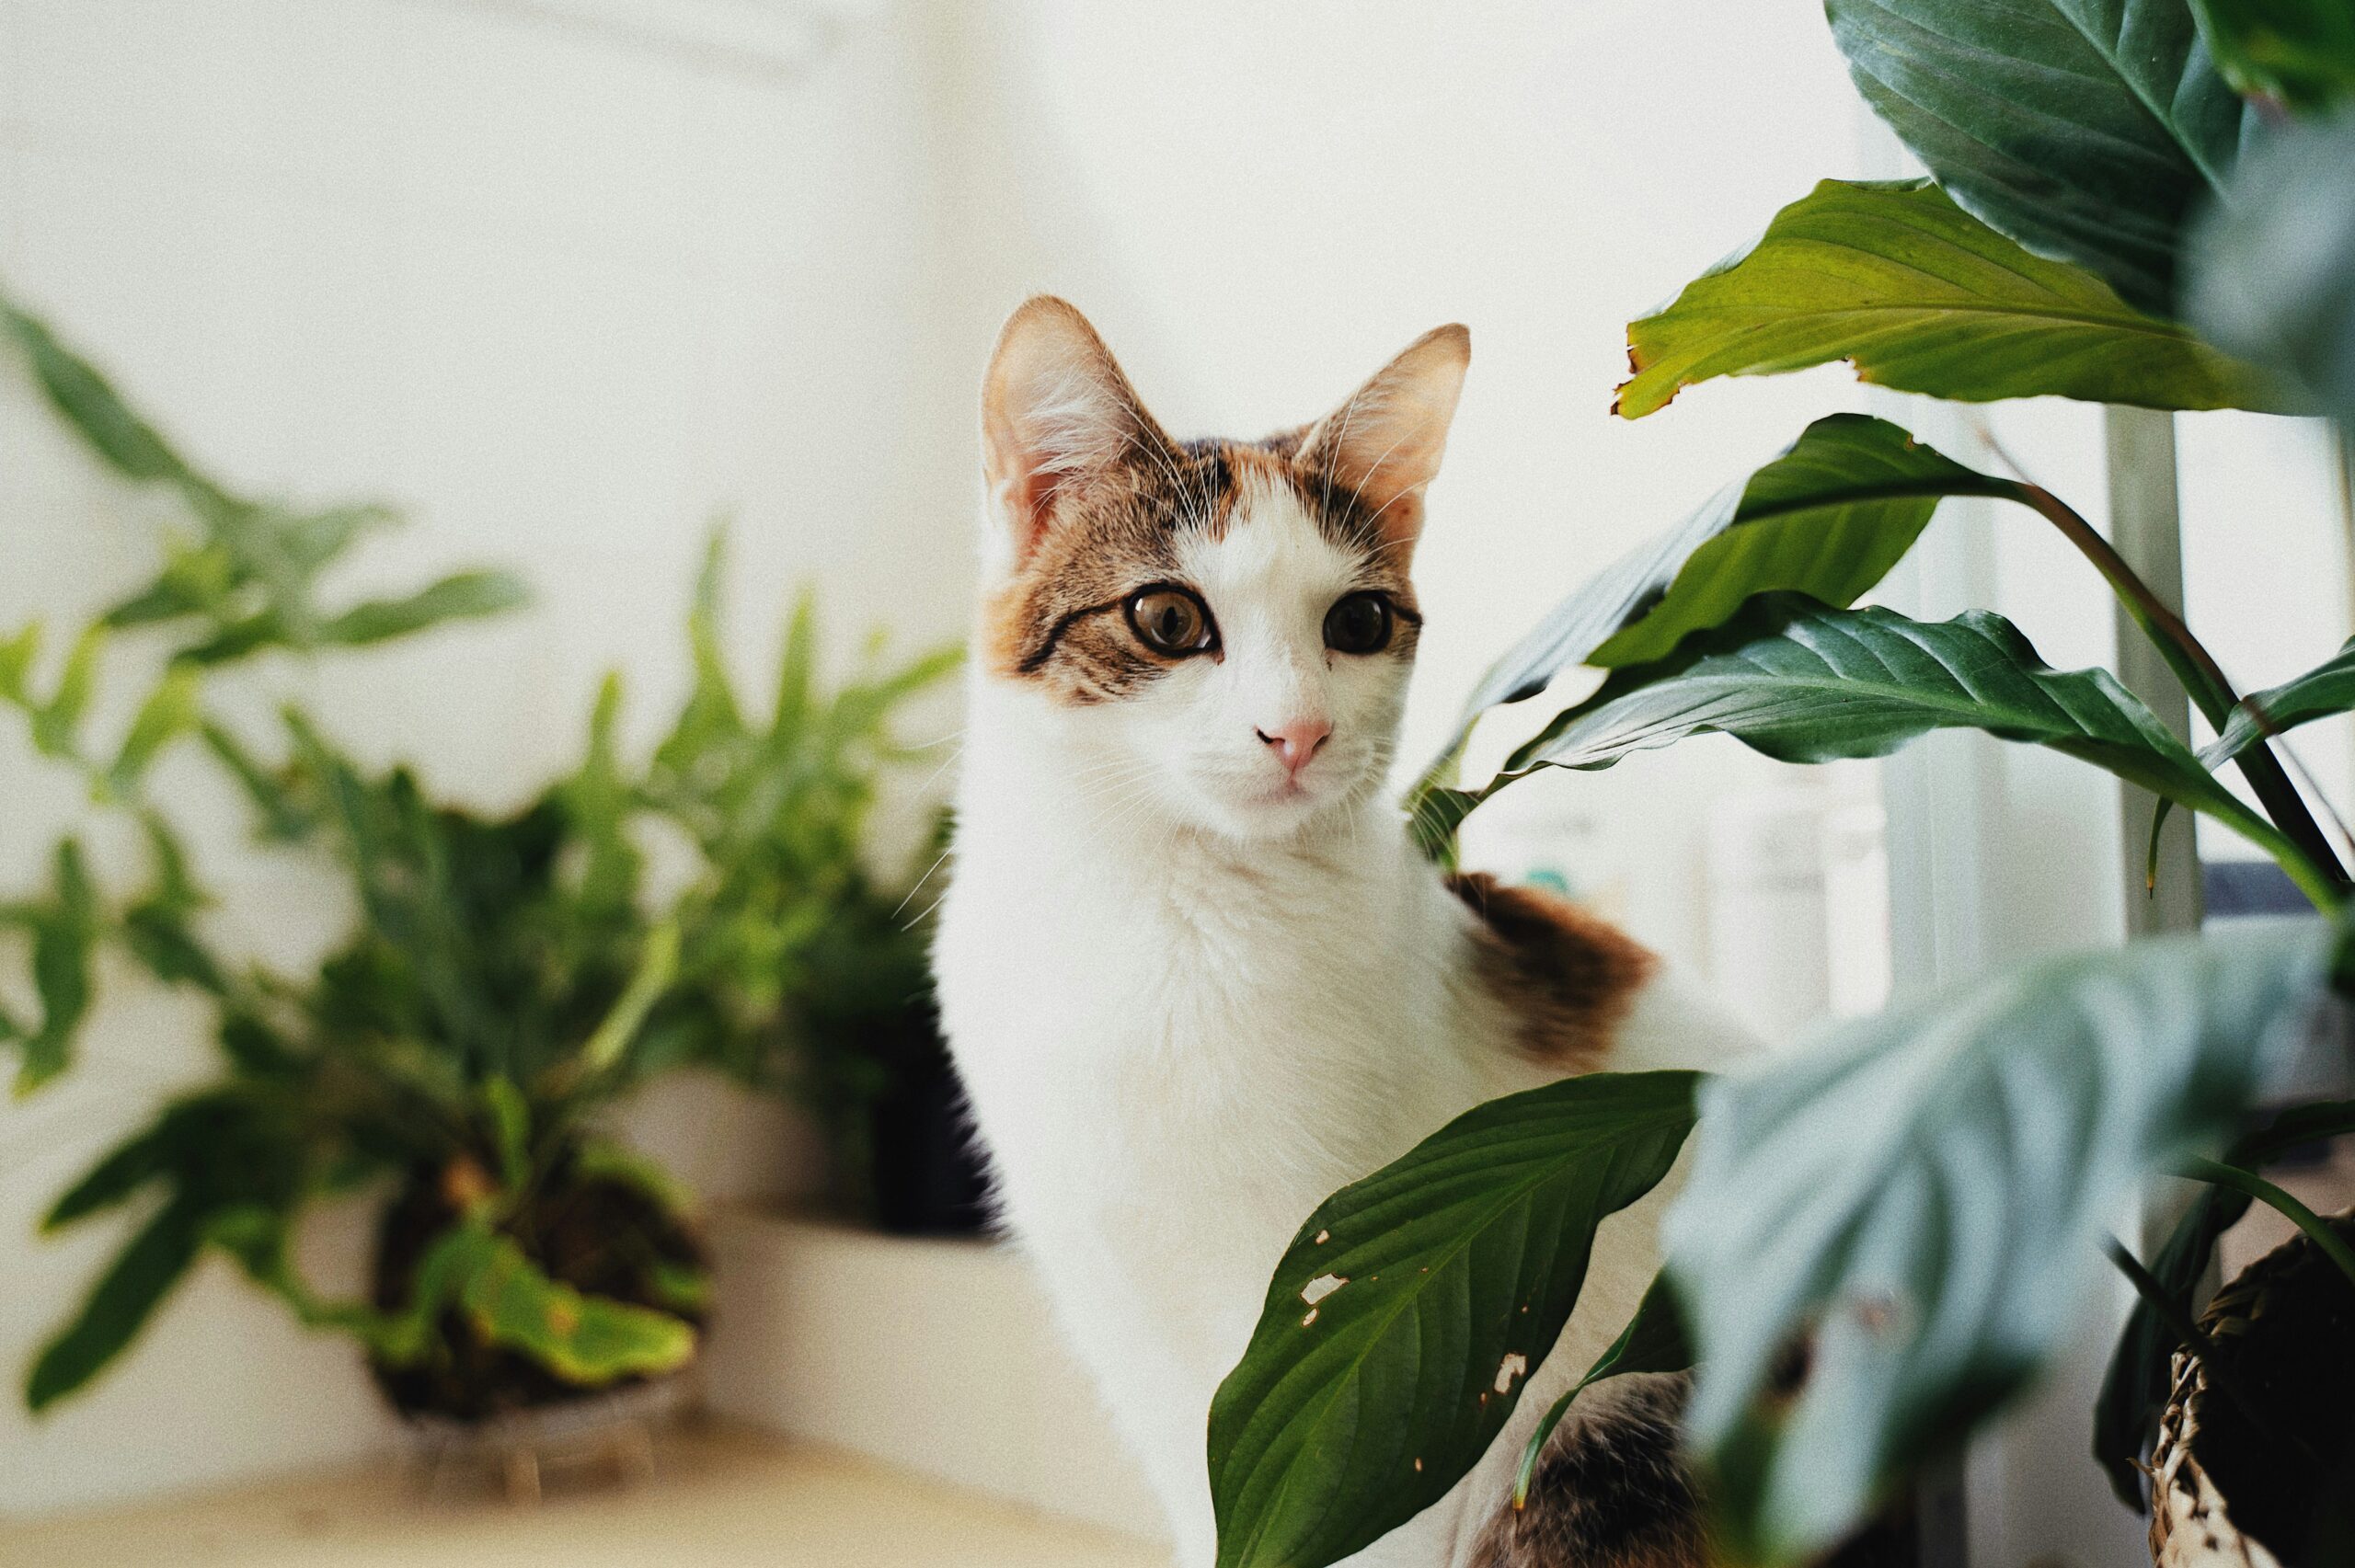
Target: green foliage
[[1826, 517], [2086, 130], [245, 579], [2326, 689], [509, 977], [2300, 52], [1923, 297], [1887, 1231], [1805, 684], [2273, 273], [512, 1302], [1408, 1309], [1916, 1201]]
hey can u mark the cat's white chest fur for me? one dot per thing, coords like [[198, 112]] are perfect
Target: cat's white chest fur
[[1177, 1050]]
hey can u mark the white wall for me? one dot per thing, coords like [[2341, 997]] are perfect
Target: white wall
[[566, 298]]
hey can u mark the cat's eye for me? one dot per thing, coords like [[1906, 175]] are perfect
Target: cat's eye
[[1172, 620], [1358, 623]]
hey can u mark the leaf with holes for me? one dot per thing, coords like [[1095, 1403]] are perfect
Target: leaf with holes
[[1917, 1200], [1399, 1324], [2086, 130], [1920, 296]]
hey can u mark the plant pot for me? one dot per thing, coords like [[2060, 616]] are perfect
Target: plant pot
[[2234, 1484], [601, 1235]]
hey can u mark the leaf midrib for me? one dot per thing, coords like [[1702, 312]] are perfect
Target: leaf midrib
[[2134, 322]]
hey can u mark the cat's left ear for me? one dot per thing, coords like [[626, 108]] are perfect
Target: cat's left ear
[[1387, 440]]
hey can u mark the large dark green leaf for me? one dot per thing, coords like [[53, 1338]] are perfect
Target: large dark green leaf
[[1827, 517], [2086, 130], [1921, 296], [2135, 1389], [2301, 52], [1806, 685], [2273, 272], [119, 1305], [1901, 1218], [1403, 1315]]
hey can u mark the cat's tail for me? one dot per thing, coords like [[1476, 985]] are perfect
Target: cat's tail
[[1610, 1490]]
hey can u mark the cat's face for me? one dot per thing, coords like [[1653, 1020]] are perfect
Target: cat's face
[[1217, 631]]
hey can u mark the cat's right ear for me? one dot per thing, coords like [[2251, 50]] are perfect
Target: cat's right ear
[[1056, 413]]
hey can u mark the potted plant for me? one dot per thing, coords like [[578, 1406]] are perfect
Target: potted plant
[[509, 981], [1886, 1235]]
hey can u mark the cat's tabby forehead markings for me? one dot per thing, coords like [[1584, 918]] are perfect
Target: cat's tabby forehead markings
[[1060, 620]]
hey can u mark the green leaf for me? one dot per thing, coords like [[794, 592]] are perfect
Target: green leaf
[[66, 939], [582, 1339], [1653, 1341], [2272, 269], [1403, 1315], [163, 941], [1827, 517], [658, 965], [1910, 1209], [314, 539], [2086, 130], [1923, 297], [94, 409], [285, 818], [124, 1170], [16, 655], [461, 596], [510, 1123], [797, 668], [169, 711], [2327, 690], [119, 1305], [56, 722], [2135, 1389], [1805, 684], [2300, 52]]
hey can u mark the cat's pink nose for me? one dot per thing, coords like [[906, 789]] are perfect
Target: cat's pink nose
[[1297, 740]]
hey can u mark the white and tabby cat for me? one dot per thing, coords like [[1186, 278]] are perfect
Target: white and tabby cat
[[1194, 972]]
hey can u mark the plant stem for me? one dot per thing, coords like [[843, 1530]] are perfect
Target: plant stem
[[2202, 679], [2317, 1230]]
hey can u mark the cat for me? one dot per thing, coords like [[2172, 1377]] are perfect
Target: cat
[[1194, 972]]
